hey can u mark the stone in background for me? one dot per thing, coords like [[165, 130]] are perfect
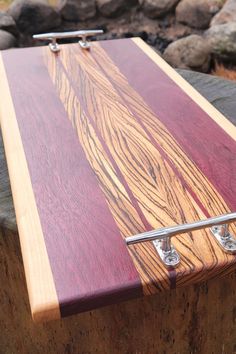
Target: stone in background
[[222, 40], [7, 23], [111, 8], [33, 16], [7, 40], [77, 10], [197, 13], [226, 14], [157, 8], [192, 52]]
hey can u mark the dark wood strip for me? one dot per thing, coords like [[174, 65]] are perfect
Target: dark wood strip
[[89, 260]]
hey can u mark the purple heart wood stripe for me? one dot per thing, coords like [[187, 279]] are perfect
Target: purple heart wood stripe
[[101, 145]]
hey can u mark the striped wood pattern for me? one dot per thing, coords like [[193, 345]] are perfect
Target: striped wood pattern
[[140, 143], [139, 171]]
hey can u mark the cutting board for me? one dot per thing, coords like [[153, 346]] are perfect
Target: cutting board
[[105, 144]]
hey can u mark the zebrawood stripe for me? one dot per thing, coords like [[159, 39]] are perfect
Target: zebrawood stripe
[[161, 195]]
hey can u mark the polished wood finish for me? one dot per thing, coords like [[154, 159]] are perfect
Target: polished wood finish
[[118, 152]]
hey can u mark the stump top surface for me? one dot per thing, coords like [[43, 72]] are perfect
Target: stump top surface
[[99, 152]]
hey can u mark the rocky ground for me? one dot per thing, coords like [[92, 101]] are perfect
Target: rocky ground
[[190, 34]]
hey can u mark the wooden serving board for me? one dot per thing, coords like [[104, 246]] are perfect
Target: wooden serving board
[[101, 145]]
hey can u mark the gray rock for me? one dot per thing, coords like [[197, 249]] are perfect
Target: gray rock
[[192, 52], [34, 16], [157, 8], [7, 40], [111, 8], [7, 23], [74, 10], [222, 40], [226, 14], [197, 13]]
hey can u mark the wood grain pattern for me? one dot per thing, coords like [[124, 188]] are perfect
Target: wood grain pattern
[[40, 282], [140, 143], [115, 157]]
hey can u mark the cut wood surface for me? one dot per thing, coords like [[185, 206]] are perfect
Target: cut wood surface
[[114, 142]]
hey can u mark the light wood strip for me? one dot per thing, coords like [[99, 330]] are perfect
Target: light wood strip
[[217, 116], [40, 283]]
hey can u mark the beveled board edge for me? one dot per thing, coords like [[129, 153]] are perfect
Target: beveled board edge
[[201, 101], [42, 292]]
